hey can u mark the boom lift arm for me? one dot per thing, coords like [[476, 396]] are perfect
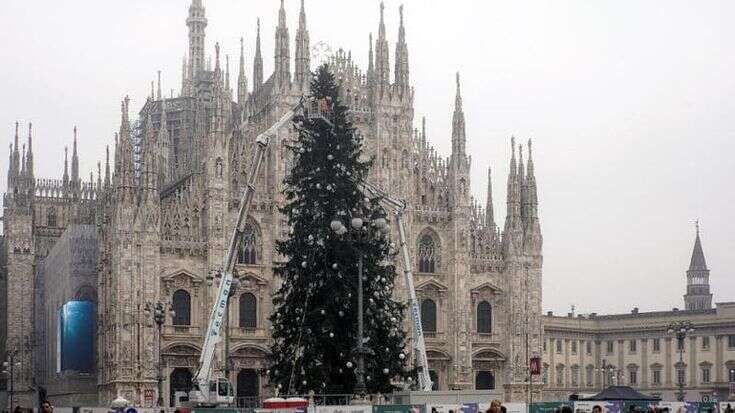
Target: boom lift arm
[[399, 207], [203, 377]]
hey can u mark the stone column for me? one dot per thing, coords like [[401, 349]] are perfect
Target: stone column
[[644, 363], [667, 361]]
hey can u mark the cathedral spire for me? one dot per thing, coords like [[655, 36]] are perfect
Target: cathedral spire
[[242, 80], [282, 70], [513, 214], [158, 94], [165, 150], [29, 154], [227, 73], [371, 66], [382, 53], [197, 23], [458, 125], [16, 153], [107, 166], [489, 210], [184, 80], [531, 191], [302, 64], [257, 62], [75, 161], [401, 69], [23, 162], [65, 177]]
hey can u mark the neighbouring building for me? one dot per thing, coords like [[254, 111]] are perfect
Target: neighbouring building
[[65, 319], [584, 353]]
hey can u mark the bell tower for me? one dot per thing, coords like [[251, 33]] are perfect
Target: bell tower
[[698, 295]]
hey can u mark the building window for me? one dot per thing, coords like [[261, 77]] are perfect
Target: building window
[[633, 377], [574, 346], [484, 318], [590, 370], [428, 315], [610, 347], [427, 254], [544, 346], [248, 311], [51, 217], [705, 343], [657, 377], [248, 246], [680, 376], [575, 376], [633, 346], [485, 380], [656, 345], [731, 375], [545, 377], [559, 376], [705, 375], [558, 346], [182, 308], [680, 344], [731, 341], [589, 347]]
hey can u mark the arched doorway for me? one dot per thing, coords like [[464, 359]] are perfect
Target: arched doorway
[[180, 380], [248, 388]]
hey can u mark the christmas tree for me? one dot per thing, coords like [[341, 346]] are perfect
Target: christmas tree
[[316, 308]]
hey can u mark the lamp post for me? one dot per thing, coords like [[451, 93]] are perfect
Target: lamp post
[[360, 230], [158, 311], [606, 370], [680, 329], [9, 371]]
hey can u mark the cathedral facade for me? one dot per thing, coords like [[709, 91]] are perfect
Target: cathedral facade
[[164, 204]]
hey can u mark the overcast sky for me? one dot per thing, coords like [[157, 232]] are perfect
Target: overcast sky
[[629, 103]]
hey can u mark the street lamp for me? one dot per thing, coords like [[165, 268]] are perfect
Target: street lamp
[[680, 329], [9, 371], [606, 370], [360, 230], [158, 310]]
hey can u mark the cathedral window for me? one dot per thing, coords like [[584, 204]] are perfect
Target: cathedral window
[[484, 318], [427, 254], [51, 217], [182, 308], [248, 311], [428, 315], [485, 380], [249, 246], [434, 380]]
